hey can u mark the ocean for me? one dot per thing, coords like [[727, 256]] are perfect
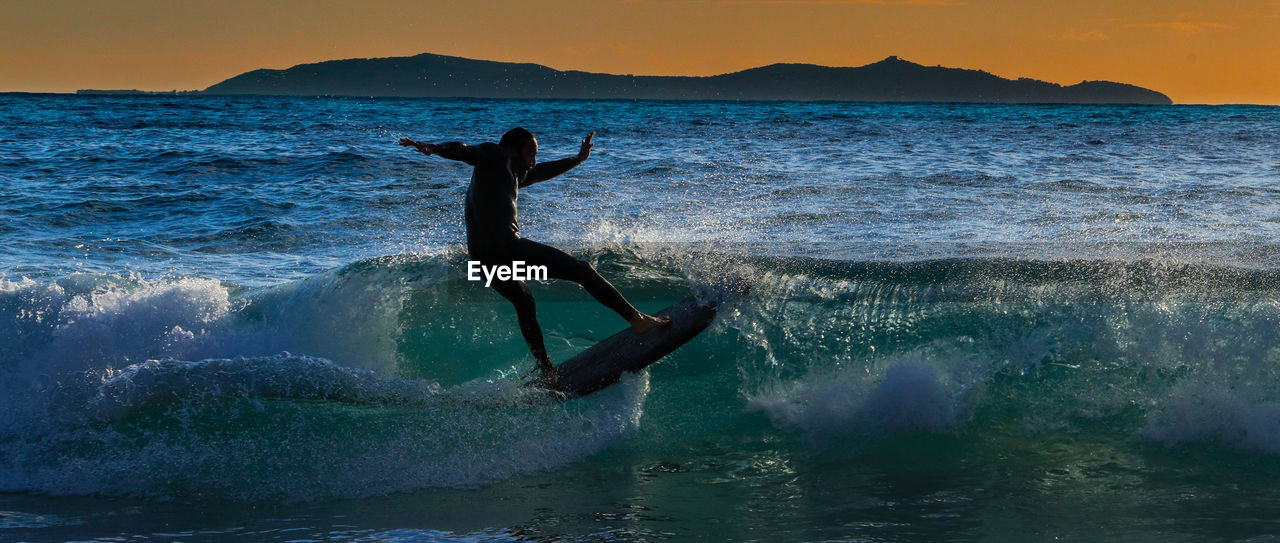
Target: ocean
[[248, 318]]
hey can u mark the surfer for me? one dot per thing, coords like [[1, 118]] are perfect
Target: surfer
[[493, 232]]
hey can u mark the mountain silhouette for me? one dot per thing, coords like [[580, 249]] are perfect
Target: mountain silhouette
[[890, 80]]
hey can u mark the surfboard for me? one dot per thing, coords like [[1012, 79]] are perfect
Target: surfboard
[[604, 363]]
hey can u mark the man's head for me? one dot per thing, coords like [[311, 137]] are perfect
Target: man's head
[[522, 147]]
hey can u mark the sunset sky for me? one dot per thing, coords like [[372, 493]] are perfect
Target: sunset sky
[[1195, 51]]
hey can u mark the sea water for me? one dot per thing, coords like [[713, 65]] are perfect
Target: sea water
[[249, 318]]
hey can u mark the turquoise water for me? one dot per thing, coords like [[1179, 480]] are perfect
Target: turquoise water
[[248, 318]]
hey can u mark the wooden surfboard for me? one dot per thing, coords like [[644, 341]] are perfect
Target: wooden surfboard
[[602, 364]]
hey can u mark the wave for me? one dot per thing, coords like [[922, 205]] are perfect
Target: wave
[[128, 385], [404, 375]]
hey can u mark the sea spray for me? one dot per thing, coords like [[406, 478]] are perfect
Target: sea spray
[[909, 396]]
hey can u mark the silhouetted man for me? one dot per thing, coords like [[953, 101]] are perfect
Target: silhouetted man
[[493, 233]]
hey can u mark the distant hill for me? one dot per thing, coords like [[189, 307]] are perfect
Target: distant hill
[[890, 80]]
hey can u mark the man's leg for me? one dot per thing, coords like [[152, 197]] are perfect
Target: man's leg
[[560, 265], [519, 296]]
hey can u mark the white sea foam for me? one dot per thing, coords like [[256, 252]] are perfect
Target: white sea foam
[[908, 395], [168, 388], [1238, 415], [97, 322]]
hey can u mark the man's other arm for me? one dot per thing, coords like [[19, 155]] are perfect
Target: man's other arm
[[546, 170], [452, 150]]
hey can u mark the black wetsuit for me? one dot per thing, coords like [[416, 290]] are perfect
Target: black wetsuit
[[493, 235]]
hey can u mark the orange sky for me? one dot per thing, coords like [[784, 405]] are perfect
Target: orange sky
[[1196, 51]]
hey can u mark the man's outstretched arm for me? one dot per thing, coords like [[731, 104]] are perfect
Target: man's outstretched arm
[[546, 170], [453, 150]]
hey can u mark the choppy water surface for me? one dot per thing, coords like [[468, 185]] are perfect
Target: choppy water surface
[[248, 318]]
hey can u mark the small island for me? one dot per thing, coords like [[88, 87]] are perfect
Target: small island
[[132, 92], [889, 80]]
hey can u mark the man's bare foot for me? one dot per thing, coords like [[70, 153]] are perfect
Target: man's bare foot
[[643, 323]]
